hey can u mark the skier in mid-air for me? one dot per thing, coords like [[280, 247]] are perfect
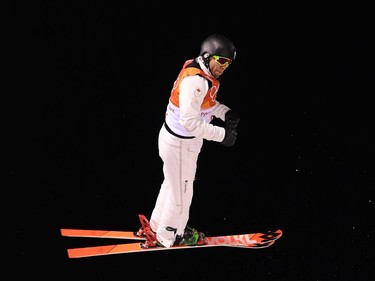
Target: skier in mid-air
[[191, 107]]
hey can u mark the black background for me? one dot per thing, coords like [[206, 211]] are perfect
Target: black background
[[89, 84]]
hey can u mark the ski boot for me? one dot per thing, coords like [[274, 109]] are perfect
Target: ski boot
[[191, 237]]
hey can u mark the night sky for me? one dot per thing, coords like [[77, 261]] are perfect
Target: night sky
[[89, 87]]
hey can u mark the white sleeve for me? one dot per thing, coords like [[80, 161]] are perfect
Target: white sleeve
[[192, 92], [220, 110]]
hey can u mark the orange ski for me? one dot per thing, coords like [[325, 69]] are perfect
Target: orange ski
[[258, 237], [136, 248]]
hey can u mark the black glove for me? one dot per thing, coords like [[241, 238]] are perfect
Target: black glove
[[232, 119], [230, 137]]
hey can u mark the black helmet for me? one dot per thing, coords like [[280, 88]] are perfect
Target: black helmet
[[217, 44]]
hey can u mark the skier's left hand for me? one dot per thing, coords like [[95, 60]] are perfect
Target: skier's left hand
[[232, 119]]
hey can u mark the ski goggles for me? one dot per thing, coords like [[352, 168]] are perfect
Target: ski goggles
[[223, 61]]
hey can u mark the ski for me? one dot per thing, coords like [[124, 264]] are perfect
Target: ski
[[259, 237], [136, 248], [258, 240]]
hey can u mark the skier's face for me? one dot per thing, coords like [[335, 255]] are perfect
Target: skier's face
[[218, 65]]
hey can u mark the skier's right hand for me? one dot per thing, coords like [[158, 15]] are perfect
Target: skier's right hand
[[230, 137]]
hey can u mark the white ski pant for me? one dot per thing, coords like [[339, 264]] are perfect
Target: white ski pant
[[171, 212]]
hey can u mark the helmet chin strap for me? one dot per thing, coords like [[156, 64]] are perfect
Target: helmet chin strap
[[206, 60]]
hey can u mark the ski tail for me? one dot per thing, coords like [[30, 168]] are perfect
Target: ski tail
[[89, 233]]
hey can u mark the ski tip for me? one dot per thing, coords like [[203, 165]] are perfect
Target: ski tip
[[274, 234], [261, 245]]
